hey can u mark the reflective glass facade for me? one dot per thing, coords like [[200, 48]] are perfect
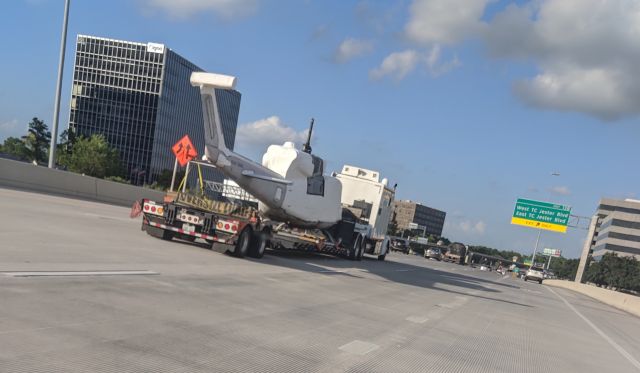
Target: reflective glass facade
[[139, 96]]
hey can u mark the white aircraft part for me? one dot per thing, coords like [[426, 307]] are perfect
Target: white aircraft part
[[200, 79], [296, 166], [288, 185]]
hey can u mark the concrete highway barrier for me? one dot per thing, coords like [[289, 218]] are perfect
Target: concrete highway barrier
[[626, 302], [26, 176]]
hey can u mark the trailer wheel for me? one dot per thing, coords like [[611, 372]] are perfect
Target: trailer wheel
[[382, 256], [244, 240], [258, 244], [361, 248], [355, 249]]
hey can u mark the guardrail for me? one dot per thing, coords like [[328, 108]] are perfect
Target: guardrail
[[626, 302], [26, 176]]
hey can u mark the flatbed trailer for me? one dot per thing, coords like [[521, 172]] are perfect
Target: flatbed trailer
[[241, 228]]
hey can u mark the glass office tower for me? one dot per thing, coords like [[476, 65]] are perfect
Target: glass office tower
[[139, 97]]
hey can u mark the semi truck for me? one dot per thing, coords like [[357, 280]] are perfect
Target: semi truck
[[234, 220], [299, 207], [456, 253]]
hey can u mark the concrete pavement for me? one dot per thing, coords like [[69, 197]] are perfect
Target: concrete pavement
[[191, 309]]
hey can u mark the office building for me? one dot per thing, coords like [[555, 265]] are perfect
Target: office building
[[615, 228], [139, 97], [414, 216]]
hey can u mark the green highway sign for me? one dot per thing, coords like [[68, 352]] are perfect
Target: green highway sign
[[552, 252], [541, 215]]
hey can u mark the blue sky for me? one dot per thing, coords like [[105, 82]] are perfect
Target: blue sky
[[466, 110]]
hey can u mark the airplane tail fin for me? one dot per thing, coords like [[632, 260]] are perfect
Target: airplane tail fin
[[213, 134]]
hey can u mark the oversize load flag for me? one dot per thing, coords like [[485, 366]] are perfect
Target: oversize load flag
[[184, 150], [541, 215]]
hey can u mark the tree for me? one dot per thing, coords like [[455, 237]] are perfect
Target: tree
[[15, 147], [163, 179], [94, 157], [392, 229], [68, 139], [620, 273], [37, 141]]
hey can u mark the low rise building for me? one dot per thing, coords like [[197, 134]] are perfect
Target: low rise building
[[415, 216], [615, 228]]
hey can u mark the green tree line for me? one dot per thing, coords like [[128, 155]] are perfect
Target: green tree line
[[615, 272], [85, 155]]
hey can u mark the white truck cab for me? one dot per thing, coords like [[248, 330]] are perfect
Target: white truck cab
[[370, 199]]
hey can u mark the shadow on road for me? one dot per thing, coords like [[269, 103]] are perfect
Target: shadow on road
[[391, 271]]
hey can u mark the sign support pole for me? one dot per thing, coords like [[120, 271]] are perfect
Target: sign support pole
[[186, 176], [535, 249], [549, 262], [173, 178]]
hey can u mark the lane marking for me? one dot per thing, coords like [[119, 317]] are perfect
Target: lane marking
[[417, 319], [76, 273], [613, 344], [358, 347]]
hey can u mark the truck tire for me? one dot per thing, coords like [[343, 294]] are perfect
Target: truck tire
[[243, 243], [382, 256], [258, 244], [354, 251]]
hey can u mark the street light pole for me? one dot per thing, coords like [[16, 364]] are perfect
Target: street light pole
[[535, 248], [56, 106]]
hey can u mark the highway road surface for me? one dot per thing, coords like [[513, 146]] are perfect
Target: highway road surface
[[109, 298]]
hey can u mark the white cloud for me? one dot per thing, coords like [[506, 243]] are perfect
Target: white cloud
[[469, 226], [561, 190], [435, 66], [256, 136], [400, 64], [182, 9], [10, 128], [444, 21], [9, 125], [351, 48], [586, 52], [397, 64]]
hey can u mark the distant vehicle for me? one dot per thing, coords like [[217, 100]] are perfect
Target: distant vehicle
[[399, 244], [549, 274], [485, 267], [456, 253], [534, 273], [433, 253]]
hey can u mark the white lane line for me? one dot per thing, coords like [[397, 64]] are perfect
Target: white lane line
[[76, 273], [417, 319], [358, 347], [613, 344]]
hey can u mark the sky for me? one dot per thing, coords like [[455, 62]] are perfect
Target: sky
[[466, 104]]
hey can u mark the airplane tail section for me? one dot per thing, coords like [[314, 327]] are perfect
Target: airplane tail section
[[215, 148]]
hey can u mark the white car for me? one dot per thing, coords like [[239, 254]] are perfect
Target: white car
[[534, 273]]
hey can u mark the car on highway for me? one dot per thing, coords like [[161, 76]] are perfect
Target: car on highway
[[433, 253], [534, 273], [399, 244]]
